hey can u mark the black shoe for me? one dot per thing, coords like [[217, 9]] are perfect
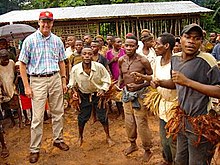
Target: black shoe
[[62, 146], [33, 158]]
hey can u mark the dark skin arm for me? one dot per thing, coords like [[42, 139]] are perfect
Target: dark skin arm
[[209, 90], [163, 83], [147, 65], [120, 78]]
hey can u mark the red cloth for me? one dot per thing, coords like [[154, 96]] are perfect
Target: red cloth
[[25, 102]]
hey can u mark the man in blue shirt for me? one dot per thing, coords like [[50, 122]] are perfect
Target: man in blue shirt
[[42, 58]]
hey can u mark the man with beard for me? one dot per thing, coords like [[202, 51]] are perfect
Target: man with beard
[[136, 120]]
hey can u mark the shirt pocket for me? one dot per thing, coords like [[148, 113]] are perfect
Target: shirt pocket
[[54, 53]]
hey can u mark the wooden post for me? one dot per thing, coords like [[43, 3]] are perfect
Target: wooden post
[[141, 27], [137, 29], [121, 31], [166, 25], [117, 29], [171, 26], [175, 27], [152, 26], [132, 27], [97, 28], [125, 31]]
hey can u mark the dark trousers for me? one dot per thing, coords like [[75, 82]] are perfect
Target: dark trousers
[[89, 101], [168, 144], [188, 153]]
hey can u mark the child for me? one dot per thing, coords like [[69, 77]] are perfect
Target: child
[[25, 101], [7, 77]]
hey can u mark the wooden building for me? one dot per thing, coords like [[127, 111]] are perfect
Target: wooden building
[[117, 19]]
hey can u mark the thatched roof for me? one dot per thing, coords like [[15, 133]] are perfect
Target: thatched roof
[[108, 11]]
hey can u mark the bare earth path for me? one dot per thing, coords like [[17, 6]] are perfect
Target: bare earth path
[[94, 150]]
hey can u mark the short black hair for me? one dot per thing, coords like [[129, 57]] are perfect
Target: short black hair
[[133, 38], [3, 39], [95, 41], [168, 38], [4, 53], [113, 38]]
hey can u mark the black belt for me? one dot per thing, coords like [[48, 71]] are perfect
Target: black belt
[[44, 75]]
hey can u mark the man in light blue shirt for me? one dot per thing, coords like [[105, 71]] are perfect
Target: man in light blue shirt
[[42, 58]]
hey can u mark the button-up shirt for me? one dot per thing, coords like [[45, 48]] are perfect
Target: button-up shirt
[[98, 79], [42, 54]]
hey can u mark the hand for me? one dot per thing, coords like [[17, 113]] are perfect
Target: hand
[[179, 78], [64, 88], [100, 93], [133, 87], [115, 58], [28, 92], [75, 96], [154, 83], [137, 76]]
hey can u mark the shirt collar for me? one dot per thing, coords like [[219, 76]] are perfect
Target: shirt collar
[[93, 68], [40, 34]]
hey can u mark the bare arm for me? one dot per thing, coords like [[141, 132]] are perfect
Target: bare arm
[[209, 90], [147, 65], [27, 88], [120, 78], [63, 75]]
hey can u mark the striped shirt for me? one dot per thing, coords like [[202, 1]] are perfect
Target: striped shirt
[[42, 54]]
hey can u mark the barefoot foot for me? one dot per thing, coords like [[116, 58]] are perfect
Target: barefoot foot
[[80, 142], [130, 149], [147, 155], [110, 142]]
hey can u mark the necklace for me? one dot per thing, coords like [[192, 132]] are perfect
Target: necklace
[[115, 52], [129, 62]]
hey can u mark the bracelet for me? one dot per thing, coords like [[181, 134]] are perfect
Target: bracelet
[[63, 76]]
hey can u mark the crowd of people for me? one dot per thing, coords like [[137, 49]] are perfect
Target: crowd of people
[[182, 69]]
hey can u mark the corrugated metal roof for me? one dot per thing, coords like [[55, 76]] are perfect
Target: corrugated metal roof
[[108, 11]]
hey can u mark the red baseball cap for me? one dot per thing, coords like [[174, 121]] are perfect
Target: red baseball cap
[[46, 15]]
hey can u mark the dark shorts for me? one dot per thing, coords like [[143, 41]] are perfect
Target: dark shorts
[[1, 115], [88, 102]]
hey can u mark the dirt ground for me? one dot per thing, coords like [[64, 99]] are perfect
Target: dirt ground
[[94, 150]]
